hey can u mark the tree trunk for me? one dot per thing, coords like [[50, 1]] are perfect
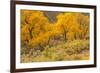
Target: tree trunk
[[41, 47], [65, 39]]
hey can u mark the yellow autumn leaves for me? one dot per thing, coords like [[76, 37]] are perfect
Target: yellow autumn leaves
[[39, 35]]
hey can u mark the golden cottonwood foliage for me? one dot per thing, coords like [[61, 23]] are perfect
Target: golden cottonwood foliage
[[39, 34]]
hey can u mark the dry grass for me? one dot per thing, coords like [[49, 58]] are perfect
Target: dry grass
[[73, 50]]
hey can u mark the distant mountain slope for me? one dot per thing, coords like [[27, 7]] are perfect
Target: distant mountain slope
[[51, 15]]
